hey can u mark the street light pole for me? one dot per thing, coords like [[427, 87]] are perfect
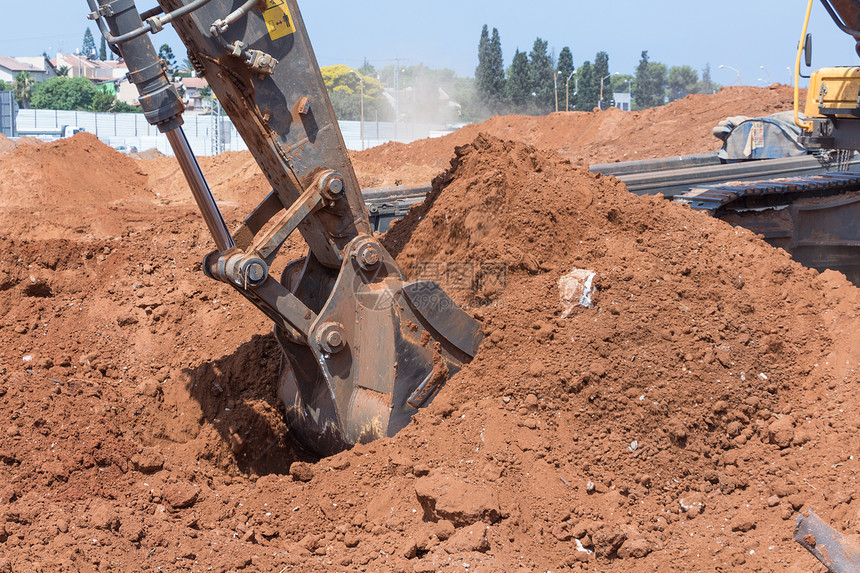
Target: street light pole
[[600, 101], [555, 80], [567, 91], [734, 69], [769, 80], [361, 82]]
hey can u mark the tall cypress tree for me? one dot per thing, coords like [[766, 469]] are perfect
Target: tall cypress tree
[[541, 74], [650, 83], [586, 96], [518, 90], [565, 69], [103, 50], [89, 44], [496, 69], [601, 70], [483, 73]]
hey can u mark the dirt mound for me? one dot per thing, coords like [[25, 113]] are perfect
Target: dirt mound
[[6, 144], [79, 170], [678, 423], [679, 128]]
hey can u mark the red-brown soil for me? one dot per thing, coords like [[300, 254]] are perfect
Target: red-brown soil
[[676, 425]]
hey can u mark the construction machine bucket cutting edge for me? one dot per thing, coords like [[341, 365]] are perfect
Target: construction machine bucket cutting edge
[[382, 349]]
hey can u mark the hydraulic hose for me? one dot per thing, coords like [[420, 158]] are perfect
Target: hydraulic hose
[[220, 26], [153, 24]]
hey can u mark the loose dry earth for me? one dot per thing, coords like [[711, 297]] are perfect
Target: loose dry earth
[[678, 424]]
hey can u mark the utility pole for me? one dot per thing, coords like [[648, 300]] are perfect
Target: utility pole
[[567, 90], [600, 101], [555, 80], [361, 81], [396, 95]]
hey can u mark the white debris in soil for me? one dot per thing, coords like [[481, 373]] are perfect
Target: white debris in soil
[[575, 289]]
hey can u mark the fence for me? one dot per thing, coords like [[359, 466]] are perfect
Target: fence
[[8, 108], [132, 130]]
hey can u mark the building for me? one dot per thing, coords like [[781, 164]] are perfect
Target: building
[[95, 70], [39, 68], [194, 101], [622, 100]]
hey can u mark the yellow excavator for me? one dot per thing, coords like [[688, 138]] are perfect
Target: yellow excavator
[[363, 348], [833, 99]]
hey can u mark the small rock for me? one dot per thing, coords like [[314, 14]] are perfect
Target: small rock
[[773, 501], [180, 495], [148, 461], [743, 521], [796, 501], [781, 432], [536, 368], [444, 530], [351, 539], [634, 549], [461, 503], [103, 516], [531, 402], [469, 539], [408, 549], [561, 533], [302, 471], [62, 525], [692, 501], [150, 387]]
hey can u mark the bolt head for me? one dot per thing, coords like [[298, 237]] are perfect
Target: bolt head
[[335, 186], [369, 256], [334, 338], [256, 272]]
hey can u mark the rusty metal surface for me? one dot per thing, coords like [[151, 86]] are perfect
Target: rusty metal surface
[[288, 145], [394, 357], [837, 553]]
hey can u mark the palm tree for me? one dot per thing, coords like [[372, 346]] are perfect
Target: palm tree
[[23, 88]]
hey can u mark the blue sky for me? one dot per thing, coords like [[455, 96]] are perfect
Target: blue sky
[[744, 34]]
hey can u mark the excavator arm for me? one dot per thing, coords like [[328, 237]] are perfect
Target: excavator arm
[[363, 348]]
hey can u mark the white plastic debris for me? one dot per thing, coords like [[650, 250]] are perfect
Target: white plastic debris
[[575, 289]]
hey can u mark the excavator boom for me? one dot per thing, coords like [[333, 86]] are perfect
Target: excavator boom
[[363, 348]]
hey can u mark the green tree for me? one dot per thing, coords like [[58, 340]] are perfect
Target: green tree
[[367, 69], [588, 89], [490, 73], [344, 88], [63, 71], [542, 83], [64, 93], [24, 88], [683, 81], [103, 49], [518, 90], [650, 83], [601, 79], [165, 53], [706, 86], [102, 101], [88, 47], [621, 83], [565, 69], [5, 87]]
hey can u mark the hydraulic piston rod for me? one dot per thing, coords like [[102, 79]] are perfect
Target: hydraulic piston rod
[[200, 189]]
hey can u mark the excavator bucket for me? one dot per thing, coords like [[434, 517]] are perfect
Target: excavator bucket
[[363, 348], [396, 345]]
